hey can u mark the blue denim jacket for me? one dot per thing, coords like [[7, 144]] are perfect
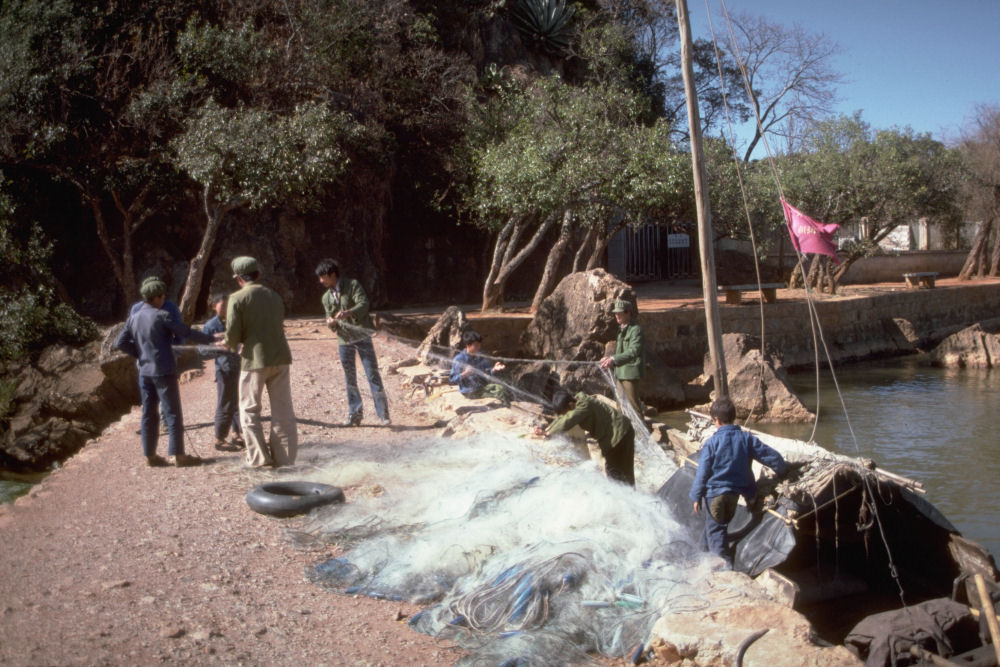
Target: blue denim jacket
[[724, 466], [473, 381], [148, 335]]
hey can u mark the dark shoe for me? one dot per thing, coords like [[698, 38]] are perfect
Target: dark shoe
[[155, 461], [187, 461], [238, 443], [223, 446], [353, 420]]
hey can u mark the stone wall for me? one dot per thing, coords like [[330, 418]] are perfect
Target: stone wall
[[854, 328]]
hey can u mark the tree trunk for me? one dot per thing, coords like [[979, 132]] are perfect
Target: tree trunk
[[493, 290], [582, 250], [552, 261], [977, 256], [493, 294], [601, 242], [995, 258], [196, 269]]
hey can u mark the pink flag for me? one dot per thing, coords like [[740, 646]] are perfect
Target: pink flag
[[810, 235]]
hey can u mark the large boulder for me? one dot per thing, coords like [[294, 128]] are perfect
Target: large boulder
[[575, 323], [758, 381], [977, 346], [68, 396]]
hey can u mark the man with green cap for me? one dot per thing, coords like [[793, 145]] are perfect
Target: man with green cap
[[255, 320], [148, 335], [629, 359]]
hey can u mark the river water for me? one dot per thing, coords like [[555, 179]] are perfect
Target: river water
[[939, 426]]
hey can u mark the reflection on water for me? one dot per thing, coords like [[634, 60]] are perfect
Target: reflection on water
[[937, 425]]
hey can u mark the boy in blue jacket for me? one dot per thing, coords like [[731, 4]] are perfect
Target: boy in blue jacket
[[227, 382], [725, 474], [473, 373]]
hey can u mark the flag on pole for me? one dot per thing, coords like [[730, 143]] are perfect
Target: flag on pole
[[810, 235]]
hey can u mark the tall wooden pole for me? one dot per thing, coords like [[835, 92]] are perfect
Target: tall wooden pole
[[713, 321]]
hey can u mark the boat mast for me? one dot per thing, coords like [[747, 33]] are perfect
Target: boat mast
[[713, 321]]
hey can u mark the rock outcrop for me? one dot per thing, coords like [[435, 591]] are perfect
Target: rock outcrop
[[68, 396], [758, 381], [977, 346], [59, 403]]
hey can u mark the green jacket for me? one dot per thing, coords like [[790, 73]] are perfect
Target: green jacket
[[255, 318], [353, 300], [630, 353], [604, 423]]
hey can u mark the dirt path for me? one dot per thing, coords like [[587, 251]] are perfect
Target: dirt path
[[111, 562]]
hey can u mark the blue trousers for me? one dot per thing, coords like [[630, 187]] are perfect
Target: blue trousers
[[366, 351], [227, 406], [716, 535], [161, 391]]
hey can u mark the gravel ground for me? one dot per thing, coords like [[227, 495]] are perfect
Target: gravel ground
[[111, 562]]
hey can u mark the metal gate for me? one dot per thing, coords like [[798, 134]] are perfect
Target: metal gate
[[652, 252]]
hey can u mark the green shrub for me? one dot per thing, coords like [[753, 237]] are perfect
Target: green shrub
[[34, 319]]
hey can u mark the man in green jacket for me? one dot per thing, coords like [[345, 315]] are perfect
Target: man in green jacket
[[614, 433], [255, 320], [629, 360], [346, 306]]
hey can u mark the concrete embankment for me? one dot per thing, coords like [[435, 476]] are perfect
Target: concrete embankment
[[857, 324]]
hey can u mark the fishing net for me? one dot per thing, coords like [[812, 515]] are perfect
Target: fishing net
[[520, 551]]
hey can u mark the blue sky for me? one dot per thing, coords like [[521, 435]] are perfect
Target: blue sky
[[906, 62]]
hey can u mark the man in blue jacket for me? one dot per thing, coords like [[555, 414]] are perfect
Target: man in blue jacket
[[148, 336], [725, 474]]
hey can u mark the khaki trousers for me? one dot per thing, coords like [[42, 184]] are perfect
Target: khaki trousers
[[282, 445], [631, 390]]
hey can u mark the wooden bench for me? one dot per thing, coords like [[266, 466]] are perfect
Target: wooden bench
[[734, 293], [921, 279]]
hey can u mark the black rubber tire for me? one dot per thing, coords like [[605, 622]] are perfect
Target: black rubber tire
[[284, 499]]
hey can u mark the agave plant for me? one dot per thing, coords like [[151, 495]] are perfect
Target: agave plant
[[545, 22]]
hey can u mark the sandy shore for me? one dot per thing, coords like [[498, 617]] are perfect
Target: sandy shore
[[111, 562]]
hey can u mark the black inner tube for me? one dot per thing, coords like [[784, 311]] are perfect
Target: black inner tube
[[285, 499]]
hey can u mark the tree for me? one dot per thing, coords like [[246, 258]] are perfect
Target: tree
[[30, 309], [573, 156], [875, 180], [789, 78], [69, 78], [255, 158], [980, 151]]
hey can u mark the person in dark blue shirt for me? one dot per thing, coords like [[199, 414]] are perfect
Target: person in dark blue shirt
[[472, 373], [148, 336], [725, 474], [168, 305], [227, 382]]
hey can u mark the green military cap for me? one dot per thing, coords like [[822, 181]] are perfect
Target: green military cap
[[622, 306], [244, 266], [152, 287]]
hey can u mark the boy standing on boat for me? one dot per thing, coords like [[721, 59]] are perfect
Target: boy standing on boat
[[629, 359], [725, 474]]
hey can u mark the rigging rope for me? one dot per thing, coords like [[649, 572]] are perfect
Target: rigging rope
[[819, 340]]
